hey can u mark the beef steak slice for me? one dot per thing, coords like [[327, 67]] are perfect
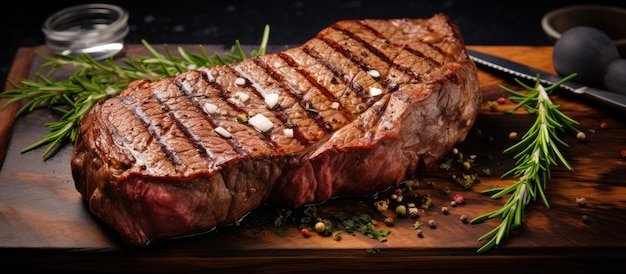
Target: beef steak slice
[[352, 111]]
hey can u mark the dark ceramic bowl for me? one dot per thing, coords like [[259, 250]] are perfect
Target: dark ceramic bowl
[[609, 19]]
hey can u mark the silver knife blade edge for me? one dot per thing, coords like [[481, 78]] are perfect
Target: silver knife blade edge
[[514, 72], [611, 99]]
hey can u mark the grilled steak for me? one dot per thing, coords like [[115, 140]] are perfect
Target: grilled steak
[[355, 110]]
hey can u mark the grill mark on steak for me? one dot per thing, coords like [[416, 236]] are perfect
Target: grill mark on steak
[[422, 55], [120, 140], [347, 53], [368, 28], [254, 87], [155, 134], [356, 87], [426, 46], [222, 94], [246, 140], [336, 85], [364, 43], [197, 126], [388, 86], [365, 68], [195, 142], [190, 92], [325, 92], [375, 51], [306, 105]]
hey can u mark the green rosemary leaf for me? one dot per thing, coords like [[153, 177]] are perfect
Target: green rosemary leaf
[[542, 194], [504, 191], [491, 190], [488, 245], [489, 234]]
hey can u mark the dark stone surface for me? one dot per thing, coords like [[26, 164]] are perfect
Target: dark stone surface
[[292, 22]]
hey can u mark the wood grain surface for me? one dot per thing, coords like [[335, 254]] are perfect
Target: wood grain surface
[[44, 223]]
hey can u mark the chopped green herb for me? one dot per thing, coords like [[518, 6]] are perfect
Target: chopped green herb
[[417, 225], [365, 224], [337, 235], [446, 164]]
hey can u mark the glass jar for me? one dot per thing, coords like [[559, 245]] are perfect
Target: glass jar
[[94, 29]]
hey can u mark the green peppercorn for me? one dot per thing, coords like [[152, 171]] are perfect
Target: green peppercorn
[[492, 105], [320, 227], [401, 210], [242, 118]]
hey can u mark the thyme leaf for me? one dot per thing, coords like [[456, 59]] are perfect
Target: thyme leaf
[[537, 151], [92, 81]]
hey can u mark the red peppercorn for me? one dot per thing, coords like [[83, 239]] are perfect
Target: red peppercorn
[[501, 100], [305, 232], [458, 199], [604, 125]]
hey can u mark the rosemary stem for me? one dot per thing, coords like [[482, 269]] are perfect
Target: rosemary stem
[[538, 151]]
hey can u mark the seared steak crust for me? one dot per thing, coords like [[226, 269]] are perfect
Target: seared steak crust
[[357, 109]]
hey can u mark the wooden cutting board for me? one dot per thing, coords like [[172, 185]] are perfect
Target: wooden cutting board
[[44, 221]]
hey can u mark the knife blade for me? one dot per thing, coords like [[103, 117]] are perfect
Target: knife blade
[[612, 100]]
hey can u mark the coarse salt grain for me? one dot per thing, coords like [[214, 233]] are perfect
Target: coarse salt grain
[[374, 73], [240, 81], [223, 132], [271, 100], [334, 105], [288, 132], [209, 108], [260, 122], [375, 91], [242, 96]]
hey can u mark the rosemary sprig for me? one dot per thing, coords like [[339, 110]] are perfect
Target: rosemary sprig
[[92, 81], [537, 150]]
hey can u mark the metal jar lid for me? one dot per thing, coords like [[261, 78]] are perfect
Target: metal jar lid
[[94, 29]]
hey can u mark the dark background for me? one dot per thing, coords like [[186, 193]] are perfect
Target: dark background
[[292, 22]]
